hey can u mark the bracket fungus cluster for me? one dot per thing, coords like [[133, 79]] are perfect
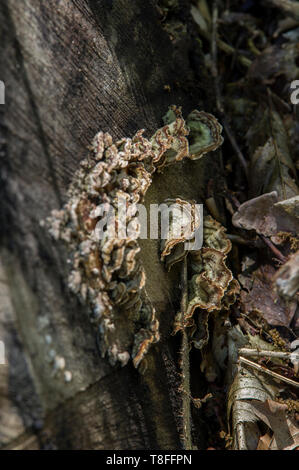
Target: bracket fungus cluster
[[106, 273], [211, 286]]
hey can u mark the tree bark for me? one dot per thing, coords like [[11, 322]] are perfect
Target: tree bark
[[71, 69]]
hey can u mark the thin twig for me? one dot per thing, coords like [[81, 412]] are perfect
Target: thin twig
[[279, 101], [264, 353], [273, 248], [268, 372], [235, 145], [185, 367], [214, 54], [288, 7], [240, 240], [226, 48], [219, 104]]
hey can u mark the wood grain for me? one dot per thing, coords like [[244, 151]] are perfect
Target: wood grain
[[71, 69]]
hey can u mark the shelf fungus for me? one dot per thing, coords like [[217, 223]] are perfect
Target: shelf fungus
[[211, 287], [184, 220], [100, 226], [205, 133]]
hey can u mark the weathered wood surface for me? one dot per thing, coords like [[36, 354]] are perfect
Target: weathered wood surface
[[71, 69]]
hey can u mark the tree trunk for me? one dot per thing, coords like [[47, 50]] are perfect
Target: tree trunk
[[71, 69]]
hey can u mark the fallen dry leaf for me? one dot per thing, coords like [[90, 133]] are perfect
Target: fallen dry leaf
[[287, 277], [271, 166], [262, 297], [267, 216], [274, 62], [285, 428], [264, 442]]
